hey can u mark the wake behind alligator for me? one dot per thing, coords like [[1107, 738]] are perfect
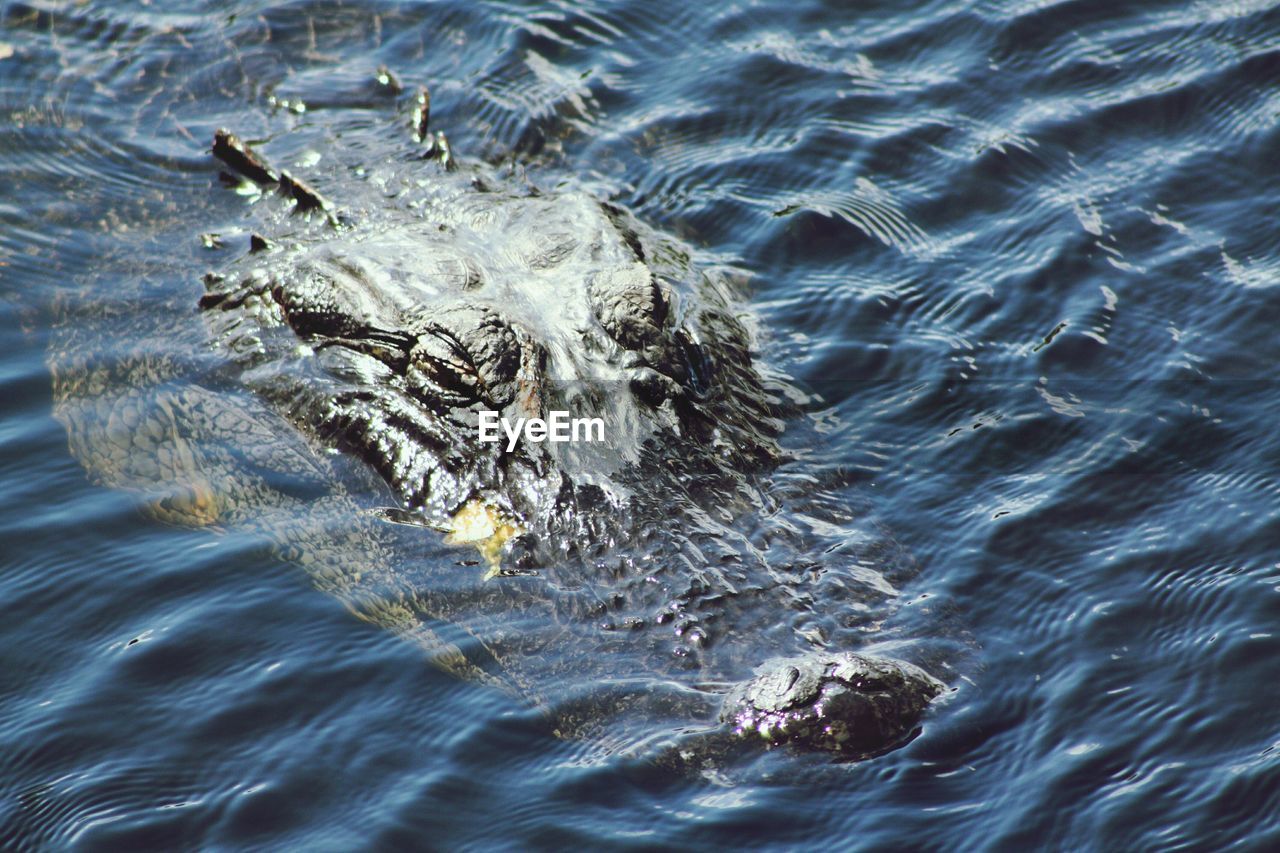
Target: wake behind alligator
[[377, 306]]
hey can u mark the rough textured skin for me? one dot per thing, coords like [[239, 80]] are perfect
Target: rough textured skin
[[382, 323], [845, 703], [466, 293]]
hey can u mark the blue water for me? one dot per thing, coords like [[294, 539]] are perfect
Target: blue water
[[1025, 251]]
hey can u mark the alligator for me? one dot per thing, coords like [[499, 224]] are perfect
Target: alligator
[[332, 404]]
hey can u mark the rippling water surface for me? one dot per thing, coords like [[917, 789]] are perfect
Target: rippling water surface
[[1026, 252]]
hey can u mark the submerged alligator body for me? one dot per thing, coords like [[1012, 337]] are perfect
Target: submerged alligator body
[[621, 579]]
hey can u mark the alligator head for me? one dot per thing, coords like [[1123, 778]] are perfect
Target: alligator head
[[467, 295]]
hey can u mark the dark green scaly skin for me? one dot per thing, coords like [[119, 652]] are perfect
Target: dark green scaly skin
[[381, 326]]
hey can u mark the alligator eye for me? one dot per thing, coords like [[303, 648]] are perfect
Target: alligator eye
[[467, 355], [441, 371], [630, 305]]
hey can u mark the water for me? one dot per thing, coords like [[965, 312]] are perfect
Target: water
[[1024, 250]]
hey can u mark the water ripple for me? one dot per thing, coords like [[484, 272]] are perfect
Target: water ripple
[[1022, 251]]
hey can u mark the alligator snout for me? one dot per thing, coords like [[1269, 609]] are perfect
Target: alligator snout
[[843, 703]]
